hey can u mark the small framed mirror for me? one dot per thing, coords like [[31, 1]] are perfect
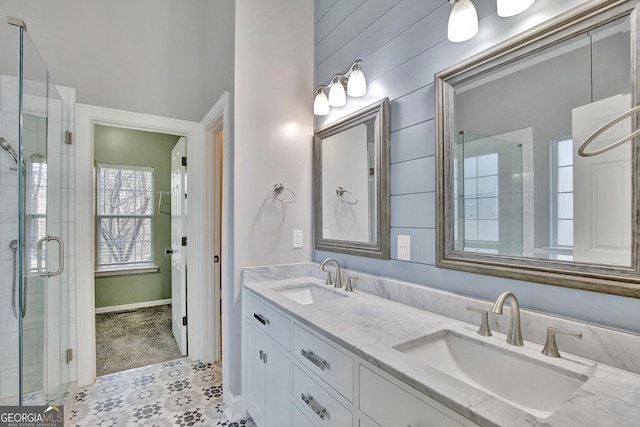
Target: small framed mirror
[[537, 166], [351, 183]]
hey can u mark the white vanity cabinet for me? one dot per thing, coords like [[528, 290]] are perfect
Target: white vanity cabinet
[[390, 404], [324, 360], [294, 376], [266, 364]]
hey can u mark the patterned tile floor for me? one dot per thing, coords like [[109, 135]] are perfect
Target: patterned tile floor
[[176, 393]]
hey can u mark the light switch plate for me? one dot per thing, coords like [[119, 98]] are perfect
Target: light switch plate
[[404, 247], [297, 239]]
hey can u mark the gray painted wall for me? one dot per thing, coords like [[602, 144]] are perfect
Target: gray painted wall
[[161, 57], [402, 44], [273, 133]]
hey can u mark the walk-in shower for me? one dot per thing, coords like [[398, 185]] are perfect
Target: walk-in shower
[[36, 326]]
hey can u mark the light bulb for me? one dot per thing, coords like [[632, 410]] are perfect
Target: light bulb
[[321, 103], [357, 85], [463, 21], [513, 7], [337, 97]]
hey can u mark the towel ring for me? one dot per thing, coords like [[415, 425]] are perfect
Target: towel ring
[[597, 133], [340, 192], [279, 188]]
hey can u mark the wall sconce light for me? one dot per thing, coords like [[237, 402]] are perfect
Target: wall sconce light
[[463, 21], [356, 85], [513, 7]]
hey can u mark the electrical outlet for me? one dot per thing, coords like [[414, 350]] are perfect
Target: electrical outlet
[[297, 239], [404, 248], [325, 233]]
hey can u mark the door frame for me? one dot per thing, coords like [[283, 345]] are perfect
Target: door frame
[[219, 115], [86, 117]]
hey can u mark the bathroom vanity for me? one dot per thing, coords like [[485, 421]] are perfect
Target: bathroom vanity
[[314, 355]]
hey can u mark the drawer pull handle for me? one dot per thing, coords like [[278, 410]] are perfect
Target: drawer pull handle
[[320, 411], [320, 363], [261, 318]]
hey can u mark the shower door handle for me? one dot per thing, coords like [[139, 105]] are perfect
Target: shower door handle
[[41, 270]]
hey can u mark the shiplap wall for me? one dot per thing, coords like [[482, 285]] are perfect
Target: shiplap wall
[[402, 44]]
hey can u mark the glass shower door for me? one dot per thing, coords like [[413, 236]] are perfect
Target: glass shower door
[[9, 234], [36, 206], [43, 358]]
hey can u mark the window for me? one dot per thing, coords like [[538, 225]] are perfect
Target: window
[[481, 229], [562, 235], [124, 217], [36, 213]]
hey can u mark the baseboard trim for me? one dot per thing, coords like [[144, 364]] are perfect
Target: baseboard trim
[[232, 406], [112, 308]]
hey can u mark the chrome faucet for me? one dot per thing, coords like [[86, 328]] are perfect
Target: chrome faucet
[[338, 282], [515, 332]]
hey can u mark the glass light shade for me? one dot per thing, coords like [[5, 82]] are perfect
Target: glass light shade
[[337, 97], [357, 85], [463, 21], [321, 104], [513, 7]]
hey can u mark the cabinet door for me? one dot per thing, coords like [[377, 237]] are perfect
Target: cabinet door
[[254, 396], [390, 406], [278, 374]]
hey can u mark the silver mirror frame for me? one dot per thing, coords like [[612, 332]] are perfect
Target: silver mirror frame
[[592, 277], [381, 248]]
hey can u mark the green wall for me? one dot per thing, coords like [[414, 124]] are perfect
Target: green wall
[[138, 148]]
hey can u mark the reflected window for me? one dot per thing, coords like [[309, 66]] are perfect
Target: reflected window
[[563, 193], [125, 217], [36, 212], [481, 225]]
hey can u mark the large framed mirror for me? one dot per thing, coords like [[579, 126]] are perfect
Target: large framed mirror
[[519, 195], [351, 183]]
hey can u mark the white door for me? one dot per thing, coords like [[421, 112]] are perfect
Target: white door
[[179, 254], [602, 185]]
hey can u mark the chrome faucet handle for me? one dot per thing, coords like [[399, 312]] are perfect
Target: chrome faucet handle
[[484, 330], [338, 282], [550, 346], [329, 281], [349, 287]]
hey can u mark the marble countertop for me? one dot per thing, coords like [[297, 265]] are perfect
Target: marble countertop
[[370, 326]]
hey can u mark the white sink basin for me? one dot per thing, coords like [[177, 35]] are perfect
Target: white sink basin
[[523, 382], [309, 293]]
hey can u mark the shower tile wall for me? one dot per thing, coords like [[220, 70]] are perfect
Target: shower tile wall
[[8, 232], [34, 322]]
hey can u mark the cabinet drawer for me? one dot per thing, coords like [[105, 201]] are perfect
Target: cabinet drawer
[[330, 364], [390, 406], [267, 319], [298, 419], [317, 403]]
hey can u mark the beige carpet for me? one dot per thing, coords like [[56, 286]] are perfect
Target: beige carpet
[[131, 339]]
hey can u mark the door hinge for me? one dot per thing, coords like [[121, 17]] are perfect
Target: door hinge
[[185, 196], [68, 137], [69, 354], [184, 241], [184, 321], [184, 161]]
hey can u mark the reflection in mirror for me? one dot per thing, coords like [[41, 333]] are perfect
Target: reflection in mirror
[[348, 185], [516, 189], [351, 183]]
